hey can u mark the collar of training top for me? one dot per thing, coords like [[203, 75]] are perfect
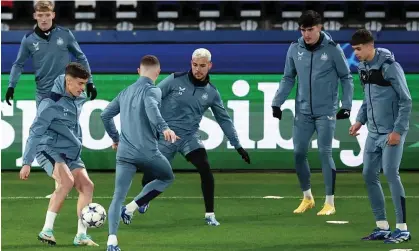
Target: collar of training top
[[44, 34], [312, 47], [197, 82]]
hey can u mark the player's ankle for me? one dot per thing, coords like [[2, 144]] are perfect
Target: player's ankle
[[131, 207], [402, 226], [208, 214], [81, 228], [112, 240], [330, 199], [307, 194], [44, 229], [49, 221], [383, 224]]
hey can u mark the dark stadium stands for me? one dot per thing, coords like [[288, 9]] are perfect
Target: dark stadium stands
[[87, 15]]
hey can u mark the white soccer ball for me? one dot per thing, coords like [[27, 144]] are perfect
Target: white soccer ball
[[93, 215]]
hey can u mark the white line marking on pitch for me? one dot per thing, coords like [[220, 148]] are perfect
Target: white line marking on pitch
[[198, 197]]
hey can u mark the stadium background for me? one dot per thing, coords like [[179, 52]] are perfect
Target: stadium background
[[248, 54], [248, 46]]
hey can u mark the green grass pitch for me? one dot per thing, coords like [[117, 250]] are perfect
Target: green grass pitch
[[175, 220]]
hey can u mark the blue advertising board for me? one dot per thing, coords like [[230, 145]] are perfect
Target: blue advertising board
[[227, 58], [219, 36]]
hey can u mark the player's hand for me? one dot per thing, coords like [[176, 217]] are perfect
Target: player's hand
[[91, 90], [9, 94], [24, 172], [170, 136], [343, 114], [276, 112], [393, 139], [115, 145], [244, 154], [353, 130]]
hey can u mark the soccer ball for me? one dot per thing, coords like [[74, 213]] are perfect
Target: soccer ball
[[93, 215]]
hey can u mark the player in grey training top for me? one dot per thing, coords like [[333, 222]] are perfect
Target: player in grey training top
[[56, 136], [319, 64], [141, 125], [386, 110], [50, 47], [185, 98]]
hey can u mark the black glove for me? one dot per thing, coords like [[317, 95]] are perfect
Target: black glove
[[343, 114], [9, 94], [91, 89], [276, 112], [244, 154]]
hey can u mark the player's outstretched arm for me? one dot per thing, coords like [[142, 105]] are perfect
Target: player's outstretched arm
[[345, 76], [107, 119], [224, 120], [226, 124], [152, 103], [45, 114], [287, 81], [395, 74], [17, 69]]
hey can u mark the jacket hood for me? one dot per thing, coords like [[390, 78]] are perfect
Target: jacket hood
[[327, 38], [382, 55], [59, 87]]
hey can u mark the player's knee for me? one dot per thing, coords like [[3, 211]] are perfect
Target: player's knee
[[167, 176], [146, 180], [325, 151], [118, 196], [88, 186], [392, 175], [199, 159], [166, 181], [170, 177], [369, 174], [300, 154], [204, 170], [207, 177], [66, 182]]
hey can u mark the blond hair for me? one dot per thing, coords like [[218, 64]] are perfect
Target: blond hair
[[43, 6], [202, 53]]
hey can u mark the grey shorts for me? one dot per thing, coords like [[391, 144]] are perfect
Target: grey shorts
[[184, 145], [48, 158]]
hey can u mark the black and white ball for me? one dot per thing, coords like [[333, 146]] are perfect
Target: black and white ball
[[93, 215]]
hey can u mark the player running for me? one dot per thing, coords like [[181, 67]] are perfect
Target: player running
[[141, 124], [386, 111], [49, 46], [185, 98], [319, 64], [55, 137]]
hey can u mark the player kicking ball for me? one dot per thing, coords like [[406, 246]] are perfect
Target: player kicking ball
[[386, 110], [49, 46], [141, 123], [56, 140], [185, 98]]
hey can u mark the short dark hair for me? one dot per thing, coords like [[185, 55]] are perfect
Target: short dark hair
[[309, 18], [149, 60], [362, 36], [77, 70]]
